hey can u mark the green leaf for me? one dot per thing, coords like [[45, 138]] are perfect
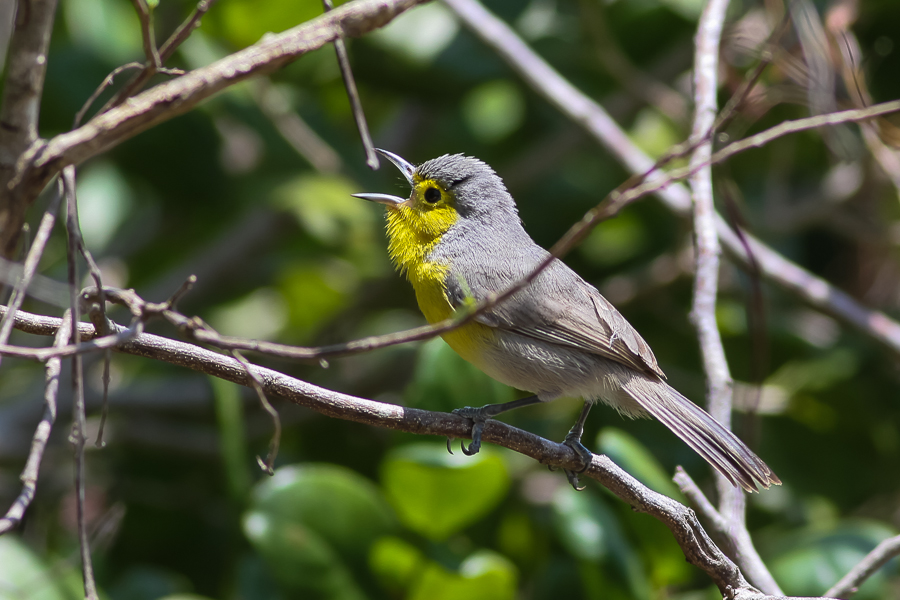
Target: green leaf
[[345, 509], [627, 452], [437, 494], [419, 35], [484, 575], [810, 562], [24, 575], [298, 557], [396, 563]]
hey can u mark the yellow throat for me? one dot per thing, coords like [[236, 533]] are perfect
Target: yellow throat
[[414, 229]]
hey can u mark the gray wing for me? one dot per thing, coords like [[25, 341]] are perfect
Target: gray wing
[[559, 307]]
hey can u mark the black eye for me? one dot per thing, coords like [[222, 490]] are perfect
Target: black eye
[[432, 195]]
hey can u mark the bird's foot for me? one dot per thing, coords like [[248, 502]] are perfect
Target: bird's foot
[[478, 417], [573, 441]]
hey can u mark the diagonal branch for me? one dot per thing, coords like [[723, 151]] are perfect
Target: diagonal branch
[[45, 158], [874, 560], [681, 521]]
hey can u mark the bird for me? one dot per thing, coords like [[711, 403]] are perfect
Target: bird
[[459, 240]]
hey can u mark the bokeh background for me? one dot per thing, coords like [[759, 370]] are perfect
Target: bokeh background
[[251, 192]]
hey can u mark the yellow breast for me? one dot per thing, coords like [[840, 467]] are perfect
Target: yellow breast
[[410, 241]]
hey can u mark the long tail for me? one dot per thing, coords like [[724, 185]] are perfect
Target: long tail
[[719, 446]]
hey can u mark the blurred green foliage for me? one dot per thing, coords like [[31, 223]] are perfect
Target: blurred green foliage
[[176, 504]]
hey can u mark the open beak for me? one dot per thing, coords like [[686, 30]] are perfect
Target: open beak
[[405, 167]]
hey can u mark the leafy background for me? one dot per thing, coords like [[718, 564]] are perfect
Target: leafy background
[[282, 252]]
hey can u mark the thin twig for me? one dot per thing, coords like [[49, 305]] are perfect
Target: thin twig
[[108, 81], [77, 436], [32, 260], [340, 48], [256, 382], [706, 240], [149, 39], [874, 560], [30, 474]]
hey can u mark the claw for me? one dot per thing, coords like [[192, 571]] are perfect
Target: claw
[[449, 440], [572, 476], [478, 420]]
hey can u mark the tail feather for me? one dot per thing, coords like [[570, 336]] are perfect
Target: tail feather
[[716, 444]]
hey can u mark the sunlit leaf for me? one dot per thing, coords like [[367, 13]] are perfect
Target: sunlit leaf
[[484, 575], [437, 494], [631, 455]]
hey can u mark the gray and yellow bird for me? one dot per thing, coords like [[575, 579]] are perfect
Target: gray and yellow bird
[[458, 238]]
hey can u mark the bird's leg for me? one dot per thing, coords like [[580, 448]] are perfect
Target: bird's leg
[[573, 441], [480, 415]]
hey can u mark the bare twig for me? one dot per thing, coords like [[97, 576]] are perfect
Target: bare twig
[[268, 465], [31, 264], [340, 48], [138, 82], [874, 560], [680, 520], [41, 434], [108, 81], [147, 35], [77, 436], [583, 111], [19, 109]]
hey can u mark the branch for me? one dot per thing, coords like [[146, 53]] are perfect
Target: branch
[[706, 240], [874, 560], [680, 520], [732, 501], [586, 113], [45, 158], [20, 107]]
